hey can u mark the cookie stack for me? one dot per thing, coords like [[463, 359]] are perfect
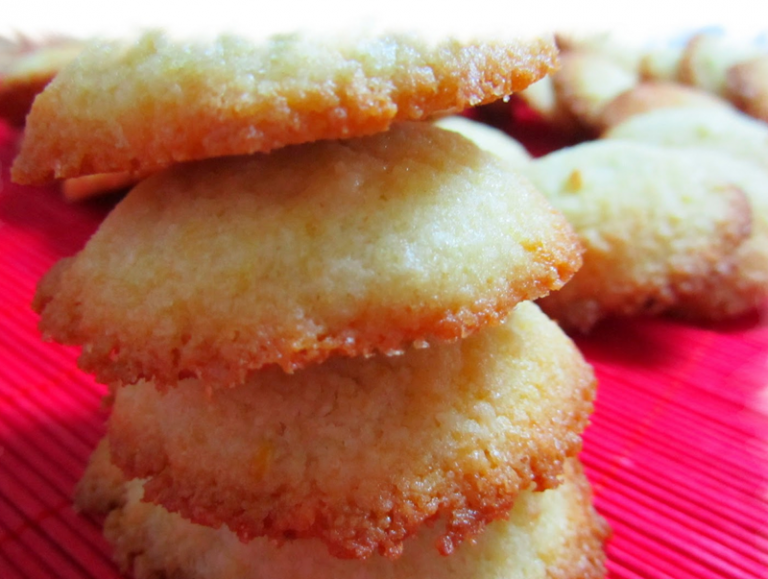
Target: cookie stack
[[315, 316]]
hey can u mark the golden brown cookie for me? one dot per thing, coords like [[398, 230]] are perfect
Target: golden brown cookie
[[648, 96], [219, 267], [554, 534], [151, 102], [586, 82], [747, 86], [657, 225], [361, 453]]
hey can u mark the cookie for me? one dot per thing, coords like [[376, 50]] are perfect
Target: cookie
[[707, 57], [657, 225], [648, 96], [361, 453], [661, 63], [725, 130], [145, 104], [215, 268], [489, 139], [554, 534], [747, 86], [586, 82]]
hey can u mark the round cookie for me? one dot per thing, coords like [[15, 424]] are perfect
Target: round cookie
[[361, 453], [154, 101], [722, 129], [657, 224], [554, 534], [586, 82], [215, 268], [747, 86], [652, 95]]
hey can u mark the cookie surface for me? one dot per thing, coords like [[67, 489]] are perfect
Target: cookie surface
[[554, 534], [215, 268], [657, 223], [143, 105], [361, 453]]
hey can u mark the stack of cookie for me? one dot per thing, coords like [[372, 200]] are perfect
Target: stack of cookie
[[322, 353]]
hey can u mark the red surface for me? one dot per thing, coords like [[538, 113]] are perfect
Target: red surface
[[677, 450]]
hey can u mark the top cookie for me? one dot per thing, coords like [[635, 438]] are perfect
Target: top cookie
[[143, 105]]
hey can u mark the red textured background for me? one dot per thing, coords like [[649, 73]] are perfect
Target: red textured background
[[677, 451]]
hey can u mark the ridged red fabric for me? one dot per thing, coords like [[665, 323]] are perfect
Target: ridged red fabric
[[677, 450]]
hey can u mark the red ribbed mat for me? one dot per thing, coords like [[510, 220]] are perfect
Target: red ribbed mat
[[677, 451]]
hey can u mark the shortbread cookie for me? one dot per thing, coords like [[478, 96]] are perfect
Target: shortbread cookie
[[488, 138], [661, 64], [554, 534], [26, 68], [707, 57], [649, 96], [741, 283], [586, 82], [723, 129], [657, 224], [541, 97], [218, 267], [360, 453], [145, 104], [747, 86]]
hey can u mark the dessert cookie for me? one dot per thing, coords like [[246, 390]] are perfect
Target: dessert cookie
[[145, 104], [586, 82], [214, 268], [649, 96], [726, 130], [707, 57], [361, 453], [554, 534], [488, 138], [747, 86], [657, 225]]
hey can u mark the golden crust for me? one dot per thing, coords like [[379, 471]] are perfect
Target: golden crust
[[216, 268], [361, 453], [654, 238], [554, 534], [747, 86], [648, 96], [145, 105]]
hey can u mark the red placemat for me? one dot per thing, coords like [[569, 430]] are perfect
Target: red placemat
[[677, 450]]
